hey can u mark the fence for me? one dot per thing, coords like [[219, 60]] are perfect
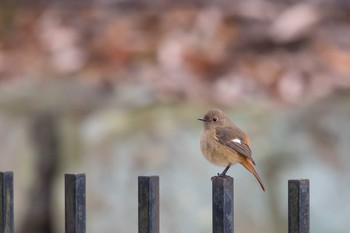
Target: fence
[[148, 204]]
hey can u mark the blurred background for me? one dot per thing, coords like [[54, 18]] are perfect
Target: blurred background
[[113, 88]]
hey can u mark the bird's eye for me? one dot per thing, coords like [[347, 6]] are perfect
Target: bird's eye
[[215, 119]]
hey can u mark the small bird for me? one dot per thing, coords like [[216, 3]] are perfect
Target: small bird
[[224, 144]]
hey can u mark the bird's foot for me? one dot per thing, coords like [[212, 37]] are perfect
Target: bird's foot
[[219, 175], [222, 175]]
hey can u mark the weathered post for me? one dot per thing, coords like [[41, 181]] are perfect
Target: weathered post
[[6, 202], [148, 198], [223, 204], [298, 206], [75, 203]]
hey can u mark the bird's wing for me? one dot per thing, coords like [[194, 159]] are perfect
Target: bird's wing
[[235, 140]]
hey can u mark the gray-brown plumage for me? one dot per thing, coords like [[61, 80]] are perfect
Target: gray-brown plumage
[[224, 144]]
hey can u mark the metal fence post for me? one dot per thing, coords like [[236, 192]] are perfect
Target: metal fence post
[[148, 198], [6, 202], [223, 204], [298, 206], [75, 203]]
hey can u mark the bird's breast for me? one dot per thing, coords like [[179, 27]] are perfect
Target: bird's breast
[[217, 153]]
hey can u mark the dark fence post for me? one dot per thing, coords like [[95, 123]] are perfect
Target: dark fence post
[[222, 204], [298, 206], [148, 195], [75, 203], [6, 202]]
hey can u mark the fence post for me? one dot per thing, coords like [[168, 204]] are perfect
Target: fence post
[[222, 204], [298, 206], [75, 203], [6, 202], [148, 198]]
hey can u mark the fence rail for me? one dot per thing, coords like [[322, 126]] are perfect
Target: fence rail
[[148, 204]]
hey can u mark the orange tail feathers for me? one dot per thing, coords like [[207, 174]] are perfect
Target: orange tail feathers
[[248, 164]]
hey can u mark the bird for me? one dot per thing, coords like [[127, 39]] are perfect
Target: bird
[[224, 144]]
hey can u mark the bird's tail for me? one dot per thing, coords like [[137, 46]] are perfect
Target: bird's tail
[[248, 164]]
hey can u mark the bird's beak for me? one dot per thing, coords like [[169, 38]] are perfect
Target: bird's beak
[[201, 119]]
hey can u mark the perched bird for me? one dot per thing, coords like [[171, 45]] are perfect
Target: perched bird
[[224, 144]]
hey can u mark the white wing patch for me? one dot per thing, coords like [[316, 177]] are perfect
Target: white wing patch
[[237, 140]]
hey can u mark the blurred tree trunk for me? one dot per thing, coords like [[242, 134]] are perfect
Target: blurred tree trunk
[[45, 136]]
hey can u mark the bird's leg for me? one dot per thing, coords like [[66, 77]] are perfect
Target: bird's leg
[[226, 169]]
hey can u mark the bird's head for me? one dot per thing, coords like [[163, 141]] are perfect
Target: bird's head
[[214, 118]]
